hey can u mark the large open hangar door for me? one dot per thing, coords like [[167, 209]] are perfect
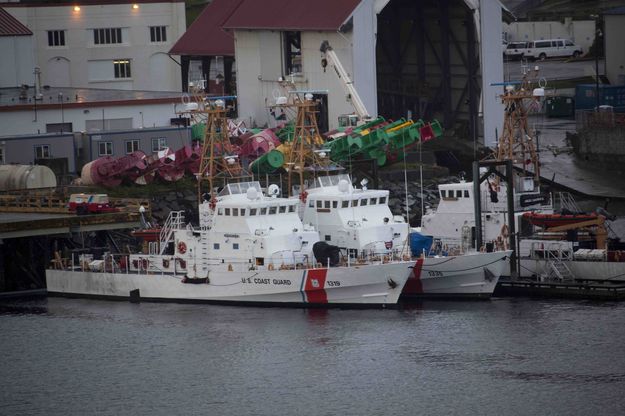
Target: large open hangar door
[[428, 64]]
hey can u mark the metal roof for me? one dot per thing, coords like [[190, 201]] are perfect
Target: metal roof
[[10, 26], [291, 14], [205, 36]]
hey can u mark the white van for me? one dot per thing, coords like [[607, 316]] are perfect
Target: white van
[[550, 48]]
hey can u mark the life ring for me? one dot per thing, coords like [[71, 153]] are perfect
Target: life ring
[[182, 247], [166, 263], [212, 203], [302, 196]]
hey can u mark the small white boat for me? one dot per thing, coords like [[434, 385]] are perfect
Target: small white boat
[[249, 249], [360, 222]]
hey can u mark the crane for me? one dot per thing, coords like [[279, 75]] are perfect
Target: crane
[[330, 58]]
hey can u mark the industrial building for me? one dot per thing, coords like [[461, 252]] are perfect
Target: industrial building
[[90, 44]]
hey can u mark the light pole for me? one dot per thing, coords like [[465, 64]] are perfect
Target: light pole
[[62, 113], [598, 34]]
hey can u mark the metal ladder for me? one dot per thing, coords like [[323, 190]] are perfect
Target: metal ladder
[[558, 269], [174, 221], [566, 201]]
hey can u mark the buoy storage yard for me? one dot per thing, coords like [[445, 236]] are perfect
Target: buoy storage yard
[[294, 207]]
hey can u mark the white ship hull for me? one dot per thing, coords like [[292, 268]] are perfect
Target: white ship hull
[[366, 285], [470, 275]]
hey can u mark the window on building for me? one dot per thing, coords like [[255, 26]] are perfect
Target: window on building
[[132, 146], [56, 38], [158, 34], [105, 148], [107, 36], [42, 151], [121, 68], [159, 143], [292, 52]]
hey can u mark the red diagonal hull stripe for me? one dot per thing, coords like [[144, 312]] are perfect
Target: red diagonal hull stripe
[[414, 285], [314, 287]]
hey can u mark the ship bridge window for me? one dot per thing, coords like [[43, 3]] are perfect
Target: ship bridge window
[[227, 211], [273, 210], [335, 204], [382, 200], [263, 211], [235, 212], [363, 202], [326, 204], [466, 193], [319, 204], [458, 193], [220, 211], [282, 209], [443, 193], [311, 204], [243, 212], [252, 212], [235, 246], [372, 201], [291, 208], [354, 202], [344, 204]]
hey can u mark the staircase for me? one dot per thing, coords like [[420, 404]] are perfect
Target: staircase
[[558, 270], [174, 221]]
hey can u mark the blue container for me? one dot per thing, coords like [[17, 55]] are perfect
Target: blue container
[[420, 243], [614, 95]]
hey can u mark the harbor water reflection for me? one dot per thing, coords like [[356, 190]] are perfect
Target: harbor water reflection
[[504, 356]]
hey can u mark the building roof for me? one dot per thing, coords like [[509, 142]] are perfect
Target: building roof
[[10, 26], [291, 14], [205, 36]]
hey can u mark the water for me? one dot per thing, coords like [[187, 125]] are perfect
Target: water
[[500, 357]]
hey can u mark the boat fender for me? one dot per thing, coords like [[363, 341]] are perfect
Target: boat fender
[[270, 267], [144, 264], [166, 263], [386, 259], [230, 267], [183, 264], [182, 247], [391, 283], [135, 263]]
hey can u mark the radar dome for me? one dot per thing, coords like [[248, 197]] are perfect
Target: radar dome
[[343, 185], [252, 194]]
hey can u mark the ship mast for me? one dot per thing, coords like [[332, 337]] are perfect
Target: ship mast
[[517, 143], [304, 153]]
